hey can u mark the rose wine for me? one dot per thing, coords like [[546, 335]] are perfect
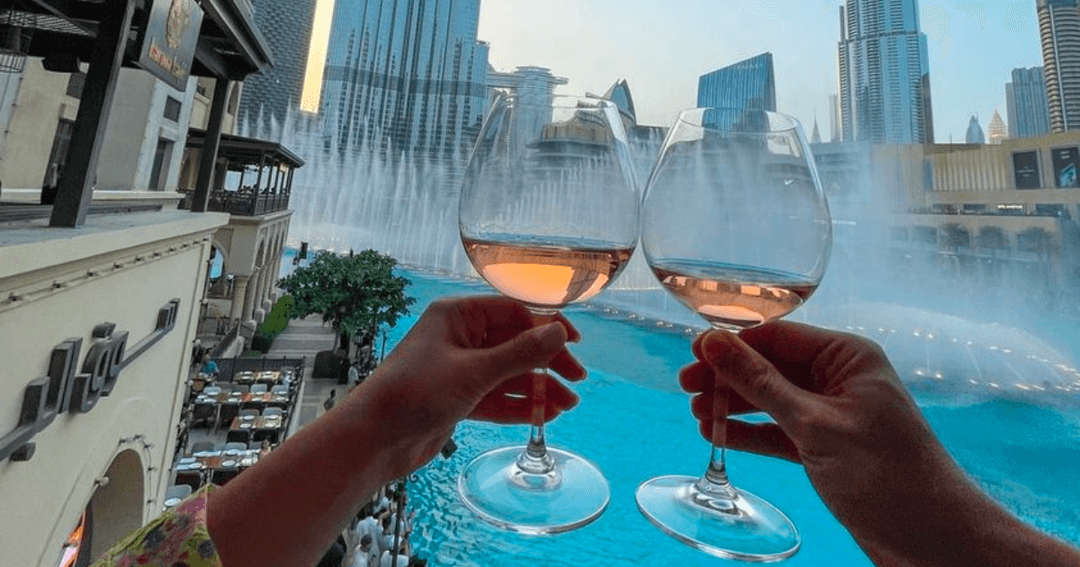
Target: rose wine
[[546, 273], [733, 297]]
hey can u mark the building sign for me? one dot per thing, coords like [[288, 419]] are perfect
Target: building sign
[[168, 38], [1026, 170], [1066, 162], [67, 387]]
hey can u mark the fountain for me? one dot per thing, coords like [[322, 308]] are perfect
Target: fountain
[[944, 337]]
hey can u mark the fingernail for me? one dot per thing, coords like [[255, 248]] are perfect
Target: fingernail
[[716, 344], [552, 334]]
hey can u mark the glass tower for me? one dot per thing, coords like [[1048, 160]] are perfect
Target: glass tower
[[405, 78], [1025, 97], [884, 73], [274, 94], [748, 84], [1059, 29]]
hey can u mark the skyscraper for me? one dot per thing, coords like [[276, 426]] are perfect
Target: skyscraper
[[834, 118], [405, 77], [275, 92], [748, 84], [1059, 29], [1025, 97], [974, 132], [884, 73], [997, 131]]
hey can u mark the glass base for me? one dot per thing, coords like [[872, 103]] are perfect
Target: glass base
[[573, 494], [745, 527]]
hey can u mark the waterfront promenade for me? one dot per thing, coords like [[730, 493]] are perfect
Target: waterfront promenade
[[304, 338]]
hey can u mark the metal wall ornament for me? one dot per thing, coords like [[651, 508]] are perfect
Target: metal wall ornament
[[67, 389]]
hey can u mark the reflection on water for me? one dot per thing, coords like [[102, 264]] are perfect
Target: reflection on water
[[634, 423]]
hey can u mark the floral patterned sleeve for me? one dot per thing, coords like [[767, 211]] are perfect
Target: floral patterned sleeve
[[177, 538]]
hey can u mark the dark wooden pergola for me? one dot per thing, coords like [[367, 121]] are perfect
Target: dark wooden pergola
[[229, 48], [269, 190]]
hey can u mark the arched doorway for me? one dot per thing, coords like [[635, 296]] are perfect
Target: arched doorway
[[117, 506]]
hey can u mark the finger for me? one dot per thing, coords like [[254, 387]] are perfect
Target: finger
[[523, 386], [697, 377], [758, 438], [533, 348], [751, 376], [700, 378], [701, 406], [786, 342], [567, 366], [695, 347], [513, 407], [572, 333]]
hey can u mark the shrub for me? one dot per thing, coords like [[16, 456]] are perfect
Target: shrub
[[261, 342], [273, 325], [329, 364]]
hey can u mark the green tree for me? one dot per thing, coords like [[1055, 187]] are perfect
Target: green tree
[[355, 293]]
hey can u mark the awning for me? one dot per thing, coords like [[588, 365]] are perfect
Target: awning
[[229, 47]]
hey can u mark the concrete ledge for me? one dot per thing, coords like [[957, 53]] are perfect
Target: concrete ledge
[[27, 246], [167, 199]]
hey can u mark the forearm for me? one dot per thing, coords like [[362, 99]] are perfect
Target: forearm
[[287, 509], [974, 531]]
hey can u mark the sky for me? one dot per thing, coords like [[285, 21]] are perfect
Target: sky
[[661, 47]]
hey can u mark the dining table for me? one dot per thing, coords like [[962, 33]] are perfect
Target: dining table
[[240, 423], [269, 377]]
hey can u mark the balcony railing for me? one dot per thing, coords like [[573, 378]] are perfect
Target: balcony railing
[[242, 203]]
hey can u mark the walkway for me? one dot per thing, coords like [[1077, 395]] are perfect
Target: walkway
[[303, 338]]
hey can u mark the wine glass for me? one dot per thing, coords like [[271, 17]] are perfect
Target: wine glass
[[735, 225], [549, 215]]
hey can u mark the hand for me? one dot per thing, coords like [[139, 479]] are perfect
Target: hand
[[841, 411], [470, 357]]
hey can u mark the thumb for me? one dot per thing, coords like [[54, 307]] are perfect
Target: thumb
[[531, 349], [751, 376]]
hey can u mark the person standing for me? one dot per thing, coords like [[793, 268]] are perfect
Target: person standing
[[330, 401]]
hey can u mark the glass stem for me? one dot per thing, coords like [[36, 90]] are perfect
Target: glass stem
[[715, 481], [535, 459]]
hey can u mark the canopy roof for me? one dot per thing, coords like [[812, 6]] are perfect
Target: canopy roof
[[242, 152], [230, 45]]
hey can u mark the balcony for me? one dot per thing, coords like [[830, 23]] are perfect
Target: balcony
[[256, 180], [248, 203]]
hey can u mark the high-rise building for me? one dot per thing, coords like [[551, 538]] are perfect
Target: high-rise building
[[407, 78], [1059, 29], [974, 132], [275, 92], [884, 73], [834, 118], [997, 131], [1025, 98], [529, 82], [748, 84]]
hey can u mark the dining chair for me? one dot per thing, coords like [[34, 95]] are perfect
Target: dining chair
[[203, 414], [258, 388], [226, 414], [251, 412], [273, 411], [222, 475], [201, 446], [238, 436], [236, 446], [193, 479], [176, 493]]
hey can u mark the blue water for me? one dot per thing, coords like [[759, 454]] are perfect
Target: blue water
[[634, 422]]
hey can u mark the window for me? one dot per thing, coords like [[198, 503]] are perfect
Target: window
[[161, 164], [61, 142], [76, 82], [172, 109]]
